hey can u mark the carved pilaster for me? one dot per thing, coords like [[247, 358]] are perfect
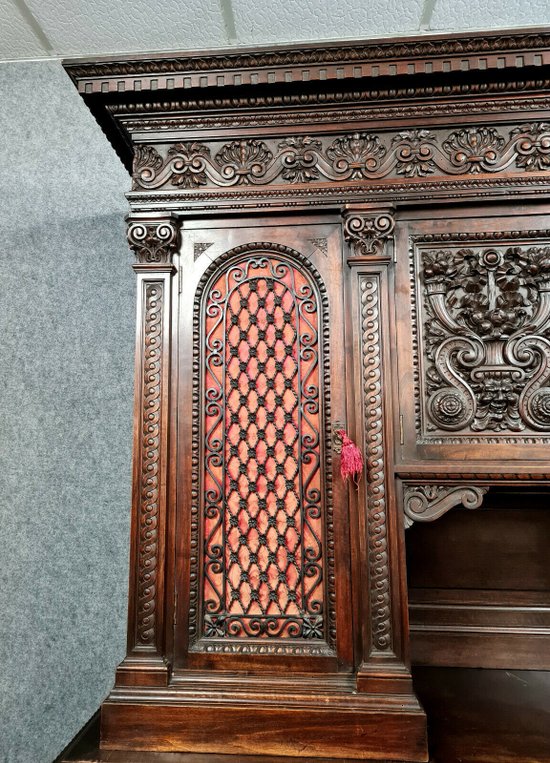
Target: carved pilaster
[[368, 230], [383, 668], [154, 240], [425, 503]]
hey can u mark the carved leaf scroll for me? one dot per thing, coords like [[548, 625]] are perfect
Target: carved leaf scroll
[[353, 157], [425, 503]]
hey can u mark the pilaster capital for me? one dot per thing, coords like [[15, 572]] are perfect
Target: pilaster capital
[[368, 228], [154, 238]]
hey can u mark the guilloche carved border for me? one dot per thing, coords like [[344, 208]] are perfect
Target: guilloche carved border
[[147, 562], [378, 561]]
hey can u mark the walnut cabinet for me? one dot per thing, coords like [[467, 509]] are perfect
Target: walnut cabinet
[[340, 237]]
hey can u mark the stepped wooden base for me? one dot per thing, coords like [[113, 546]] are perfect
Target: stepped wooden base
[[323, 718]]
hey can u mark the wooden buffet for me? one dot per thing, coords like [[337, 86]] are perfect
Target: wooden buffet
[[348, 236]]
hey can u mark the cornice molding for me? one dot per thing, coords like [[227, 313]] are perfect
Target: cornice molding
[[397, 57], [381, 79]]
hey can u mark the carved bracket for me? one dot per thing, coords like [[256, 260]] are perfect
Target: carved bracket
[[425, 503], [367, 232], [154, 241]]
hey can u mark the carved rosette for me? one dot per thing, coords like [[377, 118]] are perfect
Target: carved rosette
[[368, 232], [154, 241], [378, 561], [425, 503]]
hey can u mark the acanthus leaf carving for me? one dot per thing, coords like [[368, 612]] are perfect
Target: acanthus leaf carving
[[243, 161], [351, 157], [426, 503], [533, 146], [475, 149], [300, 159], [354, 156], [414, 153]]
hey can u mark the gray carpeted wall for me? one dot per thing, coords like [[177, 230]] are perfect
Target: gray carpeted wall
[[67, 328]]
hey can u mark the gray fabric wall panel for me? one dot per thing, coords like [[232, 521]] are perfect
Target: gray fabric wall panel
[[67, 333]]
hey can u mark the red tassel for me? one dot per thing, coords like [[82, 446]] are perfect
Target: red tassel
[[351, 458]]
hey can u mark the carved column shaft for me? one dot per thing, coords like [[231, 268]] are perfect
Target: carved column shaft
[[154, 241]]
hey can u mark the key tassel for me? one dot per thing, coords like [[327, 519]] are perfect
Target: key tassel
[[351, 458]]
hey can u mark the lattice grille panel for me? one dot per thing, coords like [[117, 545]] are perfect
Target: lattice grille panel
[[263, 512]]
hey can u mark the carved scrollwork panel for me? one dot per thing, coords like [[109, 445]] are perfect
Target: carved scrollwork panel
[[483, 335], [425, 503]]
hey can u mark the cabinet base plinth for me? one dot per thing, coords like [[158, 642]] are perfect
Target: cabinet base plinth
[[259, 720]]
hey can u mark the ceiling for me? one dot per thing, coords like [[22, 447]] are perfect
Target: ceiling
[[31, 29]]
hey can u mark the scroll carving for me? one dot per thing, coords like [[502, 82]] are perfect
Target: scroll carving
[[486, 339], [367, 233], [425, 503], [155, 241], [356, 156], [378, 562], [149, 466]]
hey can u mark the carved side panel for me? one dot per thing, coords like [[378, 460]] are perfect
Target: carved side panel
[[378, 554], [483, 338], [154, 239]]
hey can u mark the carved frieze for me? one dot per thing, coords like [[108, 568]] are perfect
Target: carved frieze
[[483, 324], [350, 157], [425, 503]]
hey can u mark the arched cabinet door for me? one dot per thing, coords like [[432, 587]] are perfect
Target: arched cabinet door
[[262, 525]]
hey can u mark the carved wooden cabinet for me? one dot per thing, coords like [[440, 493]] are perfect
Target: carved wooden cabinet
[[341, 237]]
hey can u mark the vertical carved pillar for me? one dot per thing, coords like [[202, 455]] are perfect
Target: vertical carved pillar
[[368, 230], [154, 239]]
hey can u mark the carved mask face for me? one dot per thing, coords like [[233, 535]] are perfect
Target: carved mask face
[[498, 395]]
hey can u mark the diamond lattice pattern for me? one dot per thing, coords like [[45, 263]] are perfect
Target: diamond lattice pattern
[[263, 567]]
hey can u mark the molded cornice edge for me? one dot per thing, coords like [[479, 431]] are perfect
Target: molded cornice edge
[[400, 69]]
